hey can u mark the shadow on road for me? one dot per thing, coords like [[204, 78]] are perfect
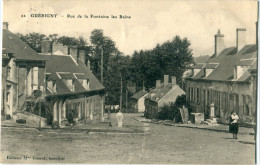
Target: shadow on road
[[227, 138], [244, 142]]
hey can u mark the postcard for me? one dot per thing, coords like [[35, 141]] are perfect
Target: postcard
[[129, 82]]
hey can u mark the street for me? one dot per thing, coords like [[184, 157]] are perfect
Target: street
[[161, 144]]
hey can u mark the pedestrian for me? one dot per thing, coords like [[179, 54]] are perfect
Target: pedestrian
[[233, 124]]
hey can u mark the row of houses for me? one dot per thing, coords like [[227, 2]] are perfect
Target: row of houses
[[227, 80], [58, 75]]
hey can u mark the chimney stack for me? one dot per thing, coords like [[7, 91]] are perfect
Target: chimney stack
[[241, 38], [74, 53], [59, 47], [82, 55], [158, 83], [166, 80], [5, 25], [173, 81], [219, 43], [46, 47]]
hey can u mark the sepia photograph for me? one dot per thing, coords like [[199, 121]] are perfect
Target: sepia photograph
[[129, 82]]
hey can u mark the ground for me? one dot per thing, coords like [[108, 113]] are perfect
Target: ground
[[160, 144]]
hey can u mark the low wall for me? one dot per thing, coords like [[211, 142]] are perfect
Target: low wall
[[31, 119]]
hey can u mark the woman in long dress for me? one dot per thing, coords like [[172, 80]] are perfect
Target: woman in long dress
[[233, 125]]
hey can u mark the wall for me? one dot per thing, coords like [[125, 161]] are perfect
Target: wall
[[31, 119], [21, 87], [227, 97], [141, 106]]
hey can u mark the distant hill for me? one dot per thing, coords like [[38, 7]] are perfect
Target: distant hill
[[201, 59]]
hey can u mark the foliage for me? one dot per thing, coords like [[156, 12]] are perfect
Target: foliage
[[171, 57], [168, 112]]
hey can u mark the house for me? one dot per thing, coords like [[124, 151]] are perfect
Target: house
[[225, 81], [71, 87], [22, 73], [56, 84], [163, 94], [138, 100]]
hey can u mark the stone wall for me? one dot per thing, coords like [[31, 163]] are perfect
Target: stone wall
[[31, 119]]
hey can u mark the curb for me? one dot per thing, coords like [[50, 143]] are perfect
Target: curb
[[19, 128], [208, 129], [118, 133]]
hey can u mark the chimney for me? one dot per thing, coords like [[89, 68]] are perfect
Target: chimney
[[241, 38], [158, 83], [46, 47], [82, 55], [219, 43], [173, 81], [61, 48], [74, 52], [5, 25], [166, 80]]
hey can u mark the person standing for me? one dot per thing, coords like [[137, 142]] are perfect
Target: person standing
[[233, 124]]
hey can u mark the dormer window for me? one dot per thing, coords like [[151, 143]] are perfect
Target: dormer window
[[85, 84], [208, 71], [70, 84], [240, 70]]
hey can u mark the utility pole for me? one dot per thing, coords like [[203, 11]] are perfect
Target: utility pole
[[101, 74], [121, 95], [126, 93]]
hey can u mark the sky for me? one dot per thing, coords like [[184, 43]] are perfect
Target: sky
[[152, 22]]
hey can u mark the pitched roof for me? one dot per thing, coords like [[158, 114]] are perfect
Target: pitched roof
[[139, 94], [226, 61], [167, 93], [22, 51], [198, 66], [67, 68]]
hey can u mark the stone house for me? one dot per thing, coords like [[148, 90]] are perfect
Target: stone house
[[71, 87], [22, 73], [138, 100], [62, 80], [225, 80], [163, 94]]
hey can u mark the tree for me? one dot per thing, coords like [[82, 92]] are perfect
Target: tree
[[34, 40], [171, 57]]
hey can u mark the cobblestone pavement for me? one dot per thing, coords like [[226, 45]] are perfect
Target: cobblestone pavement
[[162, 144]]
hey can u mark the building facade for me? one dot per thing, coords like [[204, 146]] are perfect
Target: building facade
[[163, 94], [138, 100], [60, 79], [225, 80], [22, 76]]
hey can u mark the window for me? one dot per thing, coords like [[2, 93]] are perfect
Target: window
[[198, 95], [50, 85], [85, 84], [70, 84]]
